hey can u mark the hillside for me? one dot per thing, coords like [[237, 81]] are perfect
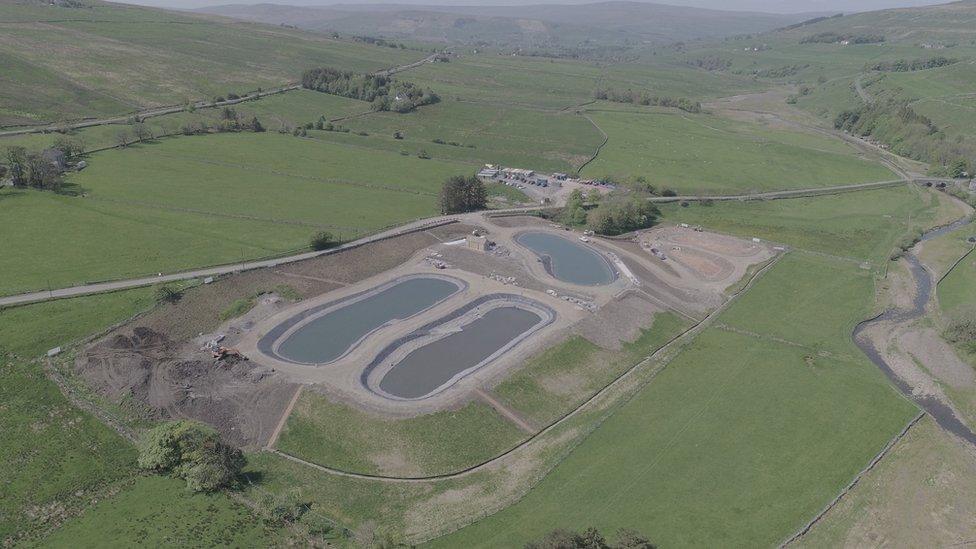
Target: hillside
[[533, 26], [901, 77], [104, 59]]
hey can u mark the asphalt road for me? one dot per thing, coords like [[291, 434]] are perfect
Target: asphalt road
[[109, 286]]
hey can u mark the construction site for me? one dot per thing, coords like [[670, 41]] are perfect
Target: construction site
[[407, 326]]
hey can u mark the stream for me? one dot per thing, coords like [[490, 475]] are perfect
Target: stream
[[944, 415]]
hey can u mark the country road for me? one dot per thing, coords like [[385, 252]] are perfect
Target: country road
[[110, 286], [150, 113]]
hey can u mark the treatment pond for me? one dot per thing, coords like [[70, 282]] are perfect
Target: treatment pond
[[444, 351], [567, 260], [325, 333]]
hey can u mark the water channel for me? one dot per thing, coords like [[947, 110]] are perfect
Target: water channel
[[943, 414]]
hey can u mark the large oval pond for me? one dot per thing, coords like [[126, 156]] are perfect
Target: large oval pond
[[426, 369], [567, 260], [328, 337]]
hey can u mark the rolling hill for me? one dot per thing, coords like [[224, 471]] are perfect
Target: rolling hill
[[63, 63], [615, 23]]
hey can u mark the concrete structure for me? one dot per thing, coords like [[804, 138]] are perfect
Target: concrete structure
[[479, 243]]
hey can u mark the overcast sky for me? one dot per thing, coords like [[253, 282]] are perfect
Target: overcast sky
[[774, 6]]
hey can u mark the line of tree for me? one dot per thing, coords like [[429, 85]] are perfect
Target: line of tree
[[647, 99], [908, 133], [384, 92], [906, 65], [591, 538], [461, 194], [711, 63], [811, 21], [836, 38], [779, 72], [230, 121]]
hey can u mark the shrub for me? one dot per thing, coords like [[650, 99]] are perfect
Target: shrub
[[323, 240], [168, 294], [192, 451]]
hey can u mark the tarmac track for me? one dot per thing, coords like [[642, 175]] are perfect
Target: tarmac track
[[423, 224]]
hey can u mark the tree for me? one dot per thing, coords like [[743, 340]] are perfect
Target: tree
[[122, 138], [42, 171], [69, 147], [141, 132], [256, 125], [959, 168], [322, 241], [16, 159], [192, 451], [461, 194], [574, 213]]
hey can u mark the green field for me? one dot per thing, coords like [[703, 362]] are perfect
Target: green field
[[342, 437], [205, 200], [554, 84], [558, 380], [483, 132], [862, 225], [59, 455], [750, 421], [711, 155], [955, 292], [157, 511]]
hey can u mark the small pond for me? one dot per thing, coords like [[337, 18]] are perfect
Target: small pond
[[567, 260]]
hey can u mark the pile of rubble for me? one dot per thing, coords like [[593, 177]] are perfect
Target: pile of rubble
[[503, 279], [435, 260], [584, 304]]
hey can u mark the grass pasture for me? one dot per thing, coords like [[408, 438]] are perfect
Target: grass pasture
[[157, 511], [538, 389], [928, 469], [861, 225], [192, 201], [338, 436], [753, 422], [711, 155], [484, 133]]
